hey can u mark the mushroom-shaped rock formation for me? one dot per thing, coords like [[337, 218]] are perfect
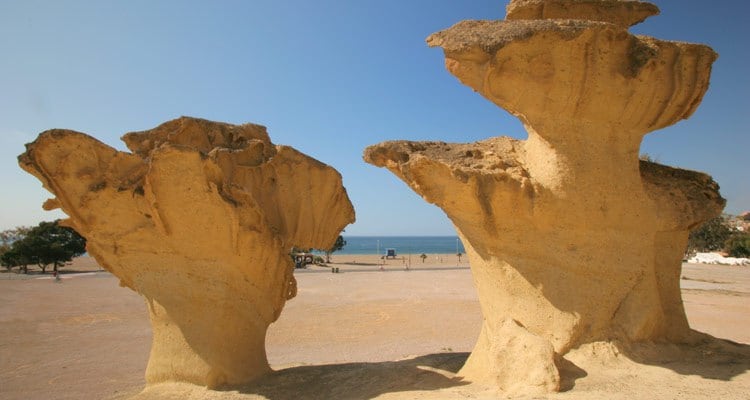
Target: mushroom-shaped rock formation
[[571, 238], [199, 219]]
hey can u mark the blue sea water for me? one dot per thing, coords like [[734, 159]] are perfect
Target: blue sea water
[[403, 245]]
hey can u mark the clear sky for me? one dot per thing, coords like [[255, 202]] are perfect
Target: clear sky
[[326, 77]]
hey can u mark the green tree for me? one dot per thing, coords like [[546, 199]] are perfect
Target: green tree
[[338, 245], [423, 257], [711, 236], [14, 258], [738, 245], [46, 244], [8, 257]]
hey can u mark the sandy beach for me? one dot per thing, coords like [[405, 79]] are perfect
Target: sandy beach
[[358, 334]]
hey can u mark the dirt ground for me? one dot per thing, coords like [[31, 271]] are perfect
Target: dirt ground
[[359, 334]]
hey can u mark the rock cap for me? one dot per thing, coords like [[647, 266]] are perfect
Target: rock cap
[[490, 36], [619, 12]]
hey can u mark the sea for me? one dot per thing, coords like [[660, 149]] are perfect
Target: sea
[[403, 245]]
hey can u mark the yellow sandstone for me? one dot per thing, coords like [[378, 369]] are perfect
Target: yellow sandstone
[[571, 238], [200, 220]]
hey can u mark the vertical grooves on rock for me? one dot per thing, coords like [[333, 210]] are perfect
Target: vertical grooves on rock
[[582, 92], [658, 119], [682, 85]]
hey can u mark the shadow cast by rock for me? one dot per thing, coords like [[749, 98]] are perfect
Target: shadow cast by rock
[[569, 373], [360, 380], [386, 268], [707, 356]]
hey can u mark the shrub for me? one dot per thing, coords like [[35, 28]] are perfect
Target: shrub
[[710, 236], [738, 245]]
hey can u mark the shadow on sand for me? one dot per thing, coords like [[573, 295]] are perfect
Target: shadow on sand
[[707, 357], [569, 374], [360, 380]]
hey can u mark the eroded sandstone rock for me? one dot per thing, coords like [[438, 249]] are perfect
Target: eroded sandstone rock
[[620, 12], [571, 238], [199, 219]]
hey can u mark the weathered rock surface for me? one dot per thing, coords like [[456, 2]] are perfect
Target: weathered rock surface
[[199, 219], [571, 238], [620, 12]]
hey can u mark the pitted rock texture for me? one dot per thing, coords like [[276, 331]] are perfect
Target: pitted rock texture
[[620, 12], [199, 219], [571, 238]]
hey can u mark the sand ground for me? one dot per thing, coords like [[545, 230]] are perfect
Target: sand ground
[[359, 334]]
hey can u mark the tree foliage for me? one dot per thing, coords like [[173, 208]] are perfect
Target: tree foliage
[[46, 244], [8, 257], [711, 236], [9, 236], [738, 245], [338, 245], [719, 234]]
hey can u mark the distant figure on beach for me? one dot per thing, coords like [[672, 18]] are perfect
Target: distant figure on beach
[[56, 275]]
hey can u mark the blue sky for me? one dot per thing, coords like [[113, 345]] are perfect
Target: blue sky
[[326, 77]]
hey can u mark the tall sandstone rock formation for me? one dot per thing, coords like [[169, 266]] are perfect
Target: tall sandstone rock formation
[[199, 219], [571, 238]]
